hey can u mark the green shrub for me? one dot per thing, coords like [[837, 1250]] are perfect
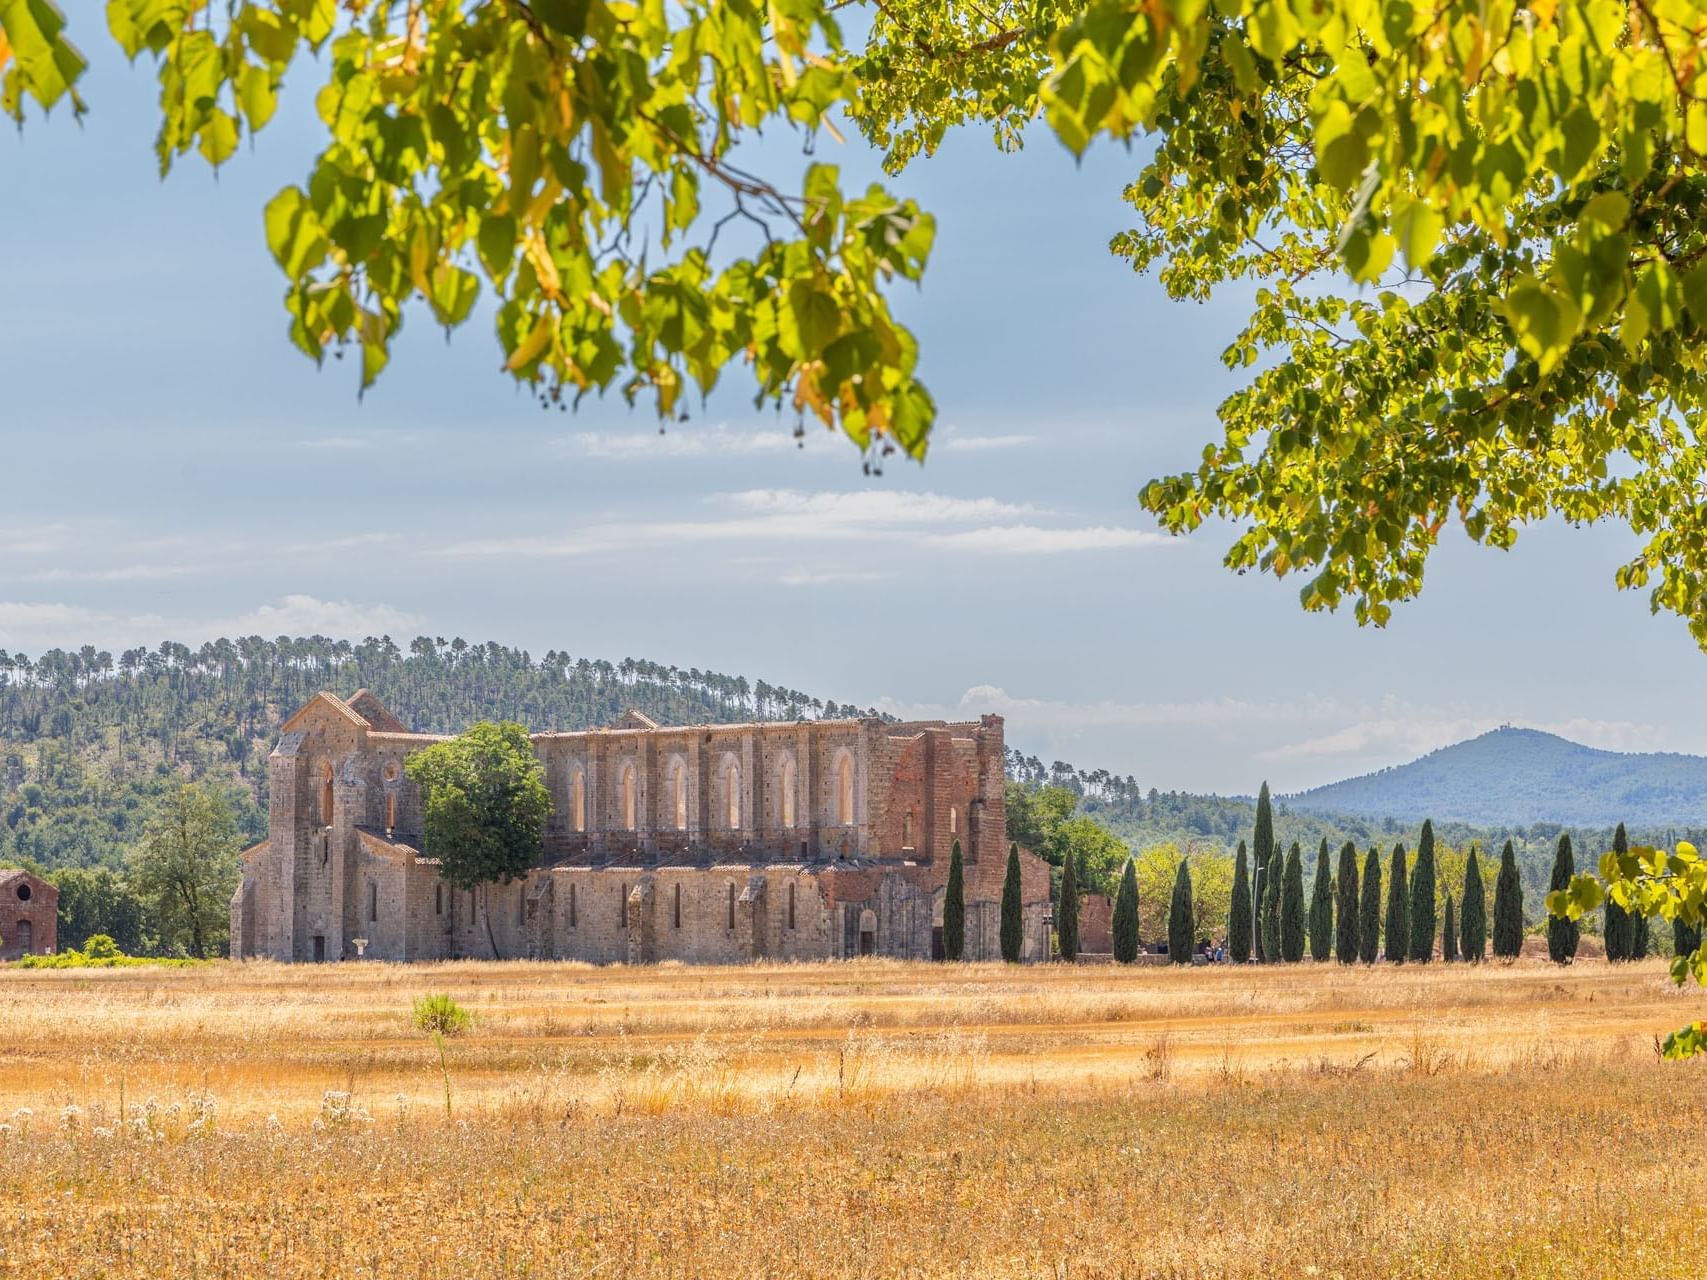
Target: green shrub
[[101, 947], [439, 1013]]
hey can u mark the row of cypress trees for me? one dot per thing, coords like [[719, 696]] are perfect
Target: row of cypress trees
[[1344, 912], [1345, 909]]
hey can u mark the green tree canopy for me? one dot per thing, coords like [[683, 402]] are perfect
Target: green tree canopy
[[185, 867], [1398, 929], [1292, 907], [1125, 923], [1345, 911], [1369, 909], [1512, 194], [1067, 912], [1181, 926], [1322, 908], [1421, 911], [954, 908], [1239, 917], [1473, 923], [1563, 930], [484, 805], [1013, 909], [1508, 907]]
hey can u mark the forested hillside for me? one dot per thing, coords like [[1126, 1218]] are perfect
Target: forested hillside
[[87, 741], [1525, 776]]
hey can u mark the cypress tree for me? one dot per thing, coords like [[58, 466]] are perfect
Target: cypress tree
[[1685, 938], [954, 908], [1013, 911], [1262, 855], [1422, 898], [1262, 843], [1369, 910], [1398, 940], [1345, 923], [1239, 915], [1271, 878], [1449, 935], [1179, 918], [1638, 937], [1067, 913], [1562, 934], [1508, 907], [1618, 926], [1322, 908], [1292, 908], [1126, 916], [1473, 915]]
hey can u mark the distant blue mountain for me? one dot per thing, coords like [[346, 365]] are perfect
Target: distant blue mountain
[[1521, 776]]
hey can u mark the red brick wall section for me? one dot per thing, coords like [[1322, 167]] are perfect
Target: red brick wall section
[[27, 899], [1096, 925]]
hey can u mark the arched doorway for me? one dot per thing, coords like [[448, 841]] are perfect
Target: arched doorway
[[26, 937], [867, 932]]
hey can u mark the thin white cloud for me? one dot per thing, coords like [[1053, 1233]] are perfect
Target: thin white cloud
[[303, 615], [683, 442], [1028, 539], [775, 517], [956, 443], [118, 573], [829, 577], [32, 627], [34, 539]]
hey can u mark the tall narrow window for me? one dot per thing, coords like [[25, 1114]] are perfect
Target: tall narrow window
[[678, 906], [473, 906], [372, 901], [578, 801], [438, 899], [791, 904], [679, 794], [390, 810], [907, 830], [732, 796], [622, 907], [573, 914], [628, 808], [731, 904], [787, 780], [522, 903], [844, 791], [326, 793], [953, 820]]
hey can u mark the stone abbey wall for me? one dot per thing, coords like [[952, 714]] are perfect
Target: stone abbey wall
[[709, 843]]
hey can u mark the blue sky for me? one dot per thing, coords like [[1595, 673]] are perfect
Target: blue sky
[[173, 469]]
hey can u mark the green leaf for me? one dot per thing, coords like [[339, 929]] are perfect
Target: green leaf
[[1543, 320], [294, 234], [218, 137], [453, 293], [1418, 225], [816, 315], [496, 242], [256, 96]]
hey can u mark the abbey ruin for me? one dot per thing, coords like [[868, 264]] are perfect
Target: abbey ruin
[[814, 839]]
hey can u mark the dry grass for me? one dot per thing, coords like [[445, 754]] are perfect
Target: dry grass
[[864, 1119]]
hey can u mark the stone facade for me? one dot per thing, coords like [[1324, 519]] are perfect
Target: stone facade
[[704, 844], [29, 915]]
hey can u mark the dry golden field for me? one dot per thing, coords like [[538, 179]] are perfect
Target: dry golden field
[[860, 1119]]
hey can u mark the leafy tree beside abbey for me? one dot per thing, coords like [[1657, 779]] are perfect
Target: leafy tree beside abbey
[[484, 806], [1530, 175]]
